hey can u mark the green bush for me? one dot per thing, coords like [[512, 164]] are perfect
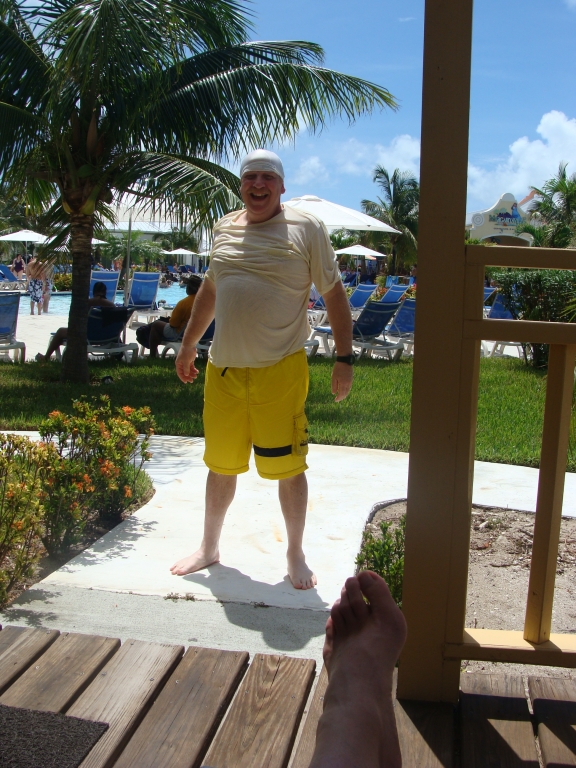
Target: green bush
[[101, 456], [63, 282], [21, 466], [384, 554], [536, 294]]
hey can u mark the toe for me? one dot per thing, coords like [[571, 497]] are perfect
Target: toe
[[375, 590], [338, 623], [345, 608], [356, 599]]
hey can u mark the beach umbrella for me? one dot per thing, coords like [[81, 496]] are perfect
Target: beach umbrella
[[24, 236], [337, 216], [362, 251], [180, 252]]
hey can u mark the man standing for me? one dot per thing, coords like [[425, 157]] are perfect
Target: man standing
[[263, 261]]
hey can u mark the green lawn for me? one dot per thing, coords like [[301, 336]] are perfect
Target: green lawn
[[376, 415]]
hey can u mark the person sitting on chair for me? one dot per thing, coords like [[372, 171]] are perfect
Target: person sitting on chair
[[98, 300], [160, 331]]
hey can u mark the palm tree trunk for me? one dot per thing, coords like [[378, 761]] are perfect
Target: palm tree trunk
[[75, 361]]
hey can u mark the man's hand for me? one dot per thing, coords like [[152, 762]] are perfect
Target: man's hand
[[342, 376], [185, 368]]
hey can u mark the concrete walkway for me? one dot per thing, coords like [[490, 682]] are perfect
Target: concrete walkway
[[122, 586]]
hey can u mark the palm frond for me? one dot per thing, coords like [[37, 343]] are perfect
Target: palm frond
[[20, 132], [255, 95], [24, 70], [169, 184]]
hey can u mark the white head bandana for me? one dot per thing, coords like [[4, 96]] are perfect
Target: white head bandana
[[262, 160]]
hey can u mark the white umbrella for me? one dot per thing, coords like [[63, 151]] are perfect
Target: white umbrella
[[361, 250], [337, 216], [24, 236], [180, 252]]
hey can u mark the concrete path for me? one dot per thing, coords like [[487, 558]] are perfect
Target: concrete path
[[122, 586]]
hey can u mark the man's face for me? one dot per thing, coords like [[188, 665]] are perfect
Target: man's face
[[260, 191]]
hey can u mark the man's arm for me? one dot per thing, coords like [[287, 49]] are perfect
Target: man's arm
[[341, 323], [201, 317]]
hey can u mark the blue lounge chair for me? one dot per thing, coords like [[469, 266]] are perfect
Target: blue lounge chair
[[110, 280], [202, 347], [360, 296], [499, 311], [402, 326], [365, 330], [9, 304], [394, 293], [391, 280], [142, 296], [8, 281], [104, 331]]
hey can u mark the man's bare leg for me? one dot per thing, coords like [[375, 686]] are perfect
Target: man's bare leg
[[293, 495], [220, 491], [363, 641]]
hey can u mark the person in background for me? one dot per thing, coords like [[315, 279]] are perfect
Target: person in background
[[35, 284], [98, 300], [413, 274], [48, 285], [161, 331], [18, 267]]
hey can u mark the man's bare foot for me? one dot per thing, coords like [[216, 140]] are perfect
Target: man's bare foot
[[363, 642], [300, 575], [196, 562]]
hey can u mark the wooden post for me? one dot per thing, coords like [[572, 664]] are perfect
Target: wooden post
[[445, 370], [559, 389]]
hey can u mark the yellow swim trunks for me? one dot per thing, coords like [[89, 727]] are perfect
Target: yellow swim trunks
[[260, 408]]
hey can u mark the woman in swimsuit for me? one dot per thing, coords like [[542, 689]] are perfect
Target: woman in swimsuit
[[18, 266]]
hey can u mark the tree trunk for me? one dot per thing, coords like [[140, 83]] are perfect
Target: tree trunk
[[75, 361]]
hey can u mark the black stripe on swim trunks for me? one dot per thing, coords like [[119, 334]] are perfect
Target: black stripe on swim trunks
[[273, 453]]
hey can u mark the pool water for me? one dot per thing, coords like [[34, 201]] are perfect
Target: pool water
[[60, 305]]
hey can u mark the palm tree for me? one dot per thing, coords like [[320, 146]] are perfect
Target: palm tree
[[555, 210], [399, 209], [101, 99]]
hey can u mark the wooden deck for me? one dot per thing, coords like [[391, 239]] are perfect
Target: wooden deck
[[171, 708]]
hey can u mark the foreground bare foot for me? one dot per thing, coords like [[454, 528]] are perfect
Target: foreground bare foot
[[300, 575], [196, 562], [363, 642]]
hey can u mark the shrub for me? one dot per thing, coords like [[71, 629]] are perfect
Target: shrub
[[21, 466], [101, 458], [384, 555], [536, 294], [63, 282]]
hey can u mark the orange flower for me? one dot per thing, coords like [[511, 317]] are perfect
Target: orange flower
[[127, 492], [127, 410], [54, 414]]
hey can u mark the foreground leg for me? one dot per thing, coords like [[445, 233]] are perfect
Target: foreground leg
[[293, 495], [220, 491], [363, 642]]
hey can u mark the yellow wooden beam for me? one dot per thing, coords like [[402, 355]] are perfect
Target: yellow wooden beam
[[500, 645], [559, 392], [521, 330], [444, 393], [518, 256]]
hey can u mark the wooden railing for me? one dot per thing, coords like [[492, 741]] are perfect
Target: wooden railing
[[449, 330]]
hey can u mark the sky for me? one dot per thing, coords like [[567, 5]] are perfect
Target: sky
[[523, 102]]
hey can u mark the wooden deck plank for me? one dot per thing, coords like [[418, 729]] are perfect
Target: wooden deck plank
[[178, 728], [426, 733], [8, 635], [554, 705], [304, 750], [60, 675], [121, 694], [261, 725], [495, 725], [21, 648]]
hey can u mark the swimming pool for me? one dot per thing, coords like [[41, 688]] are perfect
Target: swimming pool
[[60, 304]]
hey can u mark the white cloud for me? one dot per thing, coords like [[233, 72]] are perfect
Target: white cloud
[[528, 163], [310, 169], [413, 18], [359, 159]]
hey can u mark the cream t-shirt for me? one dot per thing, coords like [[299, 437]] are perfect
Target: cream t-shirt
[[262, 273]]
